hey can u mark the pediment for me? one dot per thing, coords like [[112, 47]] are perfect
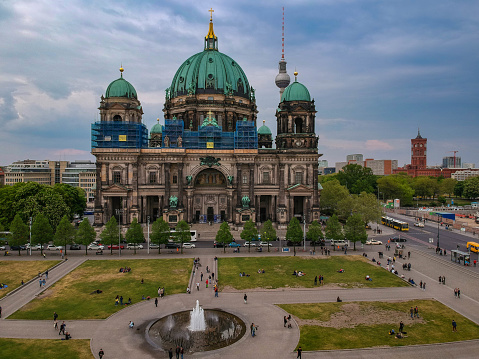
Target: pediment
[[115, 188], [299, 188]]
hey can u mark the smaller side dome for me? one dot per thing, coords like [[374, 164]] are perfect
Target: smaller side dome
[[264, 130], [157, 128], [120, 88], [296, 91]]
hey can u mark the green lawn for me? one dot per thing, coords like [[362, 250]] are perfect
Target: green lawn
[[279, 270], [13, 272], [71, 297], [319, 333], [45, 349]]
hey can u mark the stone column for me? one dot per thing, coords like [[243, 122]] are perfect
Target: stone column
[[167, 182], [282, 192], [180, 185], [251, 185], [239, 181]]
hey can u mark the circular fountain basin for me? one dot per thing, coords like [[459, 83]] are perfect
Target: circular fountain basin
[[222, 329]]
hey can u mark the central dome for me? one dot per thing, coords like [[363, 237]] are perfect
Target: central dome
[[210, 72]]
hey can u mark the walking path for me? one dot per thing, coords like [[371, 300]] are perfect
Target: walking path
[[272, 340]]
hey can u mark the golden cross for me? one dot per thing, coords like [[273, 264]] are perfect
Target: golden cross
[[211, 13]]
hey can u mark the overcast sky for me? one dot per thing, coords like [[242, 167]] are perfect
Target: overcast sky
[[377, 70]]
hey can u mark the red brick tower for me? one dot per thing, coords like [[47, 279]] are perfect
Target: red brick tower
[[418, 152]]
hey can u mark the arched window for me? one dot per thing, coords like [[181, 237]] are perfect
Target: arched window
[[117, 118], [298, 124]]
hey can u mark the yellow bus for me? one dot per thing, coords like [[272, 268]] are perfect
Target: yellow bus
[[473, 246], [395, 223]]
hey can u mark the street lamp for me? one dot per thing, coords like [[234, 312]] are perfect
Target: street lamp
[[437, 247], [119, 213], [148, 240], [30, 235], [304, 232]]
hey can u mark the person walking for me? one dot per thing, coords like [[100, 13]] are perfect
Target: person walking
[[300, 350], [411, 311], [170, 353], [46, 274], [207, 283], [455, 292], [285, 319], [156, 302], [424, 286], [316, 280], [458, 293], [177, 352], [454, 326], [201, 276], [62, 329], [101, 353], [197, 285], [55, 316], [55, 324], [182, 351], [401, 326], [0, 311], [245, 298], [216, 291]]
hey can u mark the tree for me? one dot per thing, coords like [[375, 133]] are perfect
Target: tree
[[397, 186], [42, 231], [74, 198], [333, 192], [424, 186], [357, 178], [448, 185], [333, 229], [355, 230], [183, 234], [314, 233], [134, 234], [471, 188], [19, 233], [268, 233], [368, 208], [224, 235], [85, 234], [249, 233], [110, 235], [294, 233], [160, 232], [64, 234], [459, 189]]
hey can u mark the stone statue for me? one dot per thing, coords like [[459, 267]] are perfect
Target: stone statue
[[252, 93], [228, 89], [245, 201], [230, 180], [167, 141], [189, 179], [167, 93], [180, 141], [173, 201]]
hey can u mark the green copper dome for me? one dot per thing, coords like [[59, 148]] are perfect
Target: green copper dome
[[157, 128], [296, 92], [120, 88], [210, 72], [264, 130]]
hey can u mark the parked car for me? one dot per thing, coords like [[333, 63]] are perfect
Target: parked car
[[2, 248], [172, 245], [37, 247], [154, 246], [16, 248], [247, 244], [234, 245], [397, 239], [75, 247], [265, 244], [317, 243], [374, 242], [116, 246], [96, 247], [419, 224], [188, 245], [218, 245], [134, 245], [52, 247]]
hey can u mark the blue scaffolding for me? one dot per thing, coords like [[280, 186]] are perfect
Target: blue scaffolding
[[115, 134]]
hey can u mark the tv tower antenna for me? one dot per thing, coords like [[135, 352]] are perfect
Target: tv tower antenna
[[282, 79]]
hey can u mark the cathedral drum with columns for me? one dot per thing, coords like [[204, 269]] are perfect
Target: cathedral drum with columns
[[208, 162]]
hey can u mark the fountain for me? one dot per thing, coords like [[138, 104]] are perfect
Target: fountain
[[196, 330], [197, 319]]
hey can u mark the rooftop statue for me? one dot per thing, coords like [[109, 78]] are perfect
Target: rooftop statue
[[173, 201]]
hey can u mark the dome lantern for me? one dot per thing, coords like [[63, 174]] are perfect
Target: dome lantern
[[211, 41]]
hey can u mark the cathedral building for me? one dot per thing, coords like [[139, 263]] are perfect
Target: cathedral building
[[208, 161]]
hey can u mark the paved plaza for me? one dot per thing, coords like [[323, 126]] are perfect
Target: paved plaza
[[273, 340]]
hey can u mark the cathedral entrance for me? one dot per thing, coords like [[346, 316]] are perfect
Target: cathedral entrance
[[264, 208], [298, 206], [210, 215]]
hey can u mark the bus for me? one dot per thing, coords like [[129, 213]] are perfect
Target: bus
[[473, 246], [395, 223], [192, 234]]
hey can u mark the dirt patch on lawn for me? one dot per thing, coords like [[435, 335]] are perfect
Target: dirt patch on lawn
[[354, 314]]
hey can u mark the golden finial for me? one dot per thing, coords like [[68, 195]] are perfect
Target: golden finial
[[211, 14], [121, 70], [158, 120], [264, 121]]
